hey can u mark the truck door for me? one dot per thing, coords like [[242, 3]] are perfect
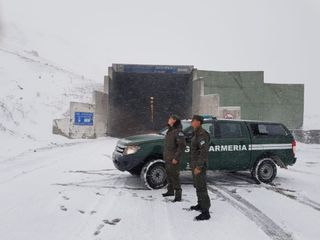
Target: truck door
[[229, 148], [186, 157]]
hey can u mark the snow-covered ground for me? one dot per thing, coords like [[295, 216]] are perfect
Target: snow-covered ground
[[56, 188], [74, 192]]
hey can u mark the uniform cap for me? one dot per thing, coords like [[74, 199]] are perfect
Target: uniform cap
[[174, 116], [198, 118]]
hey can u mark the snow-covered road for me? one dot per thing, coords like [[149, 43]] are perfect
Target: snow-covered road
[[74, 192]]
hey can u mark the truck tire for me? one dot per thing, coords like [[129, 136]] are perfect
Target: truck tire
[[264, 170], [154, 175]]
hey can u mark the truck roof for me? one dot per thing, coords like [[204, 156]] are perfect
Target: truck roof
[[236, 120], [251, 121]]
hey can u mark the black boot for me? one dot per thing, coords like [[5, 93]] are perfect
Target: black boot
[[177, 196], [196, 208], [168, 194], [205, 215]]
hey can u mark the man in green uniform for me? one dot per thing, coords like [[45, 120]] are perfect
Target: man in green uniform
[[199, 164], [174, 145]]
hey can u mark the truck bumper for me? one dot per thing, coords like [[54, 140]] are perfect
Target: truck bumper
[[294, 160], [124, 162]]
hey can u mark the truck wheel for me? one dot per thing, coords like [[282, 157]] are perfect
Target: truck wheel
[[154, 175], [265, 170]]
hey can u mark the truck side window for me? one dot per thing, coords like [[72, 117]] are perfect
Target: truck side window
[[276, 130], [229, 130], [268, 130], [208, 127]]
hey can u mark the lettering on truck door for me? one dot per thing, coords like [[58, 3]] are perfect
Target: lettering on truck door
[[229, 148]]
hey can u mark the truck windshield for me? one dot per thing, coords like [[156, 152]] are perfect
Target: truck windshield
[[185, 125]]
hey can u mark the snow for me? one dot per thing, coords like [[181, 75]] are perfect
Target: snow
[[33, 92], [311, 121], [56, 188], [74, 192]]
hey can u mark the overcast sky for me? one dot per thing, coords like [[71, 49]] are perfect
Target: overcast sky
[[280, 37]]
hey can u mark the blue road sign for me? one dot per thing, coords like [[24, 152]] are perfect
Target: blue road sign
[[134, 68], [83, 118]]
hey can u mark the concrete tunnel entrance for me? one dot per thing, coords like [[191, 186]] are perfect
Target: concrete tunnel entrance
[[141, 97], [138, 99]]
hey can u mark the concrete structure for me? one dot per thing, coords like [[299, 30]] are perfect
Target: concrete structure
[[61, 127], [141, 97], [210, 103], [80, 124], [101, 110], [138, 99], [256, 99]]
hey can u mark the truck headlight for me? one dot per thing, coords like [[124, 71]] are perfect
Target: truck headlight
[[131, 150]]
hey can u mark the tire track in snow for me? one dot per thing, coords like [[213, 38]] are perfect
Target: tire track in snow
[[267, 225], [284, 192], [102, 183], [18, 160]]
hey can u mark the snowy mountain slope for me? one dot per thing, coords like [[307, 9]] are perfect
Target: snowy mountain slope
[[33, 92]]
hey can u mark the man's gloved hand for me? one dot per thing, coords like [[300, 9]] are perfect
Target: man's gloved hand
[[174, 161]]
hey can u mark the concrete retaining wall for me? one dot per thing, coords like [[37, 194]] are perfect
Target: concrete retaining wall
[[209, 104], [101, 113], [257, 100]]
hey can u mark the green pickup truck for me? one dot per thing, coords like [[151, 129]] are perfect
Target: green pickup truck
[[235, 145]]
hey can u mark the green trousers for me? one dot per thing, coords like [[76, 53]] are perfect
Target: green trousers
[[200, 183], [173, 177]]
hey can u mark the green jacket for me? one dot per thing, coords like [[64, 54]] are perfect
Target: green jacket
[[174, 144], [200, 148]]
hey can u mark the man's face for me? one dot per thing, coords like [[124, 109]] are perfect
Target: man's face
[[195, 124], [171, 121]]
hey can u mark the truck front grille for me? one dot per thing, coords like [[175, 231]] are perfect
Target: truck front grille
[[120, 149]]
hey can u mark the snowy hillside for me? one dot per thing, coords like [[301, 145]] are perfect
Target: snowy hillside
[[33, 92]]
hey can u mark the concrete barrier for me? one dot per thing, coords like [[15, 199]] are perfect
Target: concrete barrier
[[307, 136], [61, 127]]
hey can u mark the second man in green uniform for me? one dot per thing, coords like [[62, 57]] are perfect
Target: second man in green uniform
[[199, 164]]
